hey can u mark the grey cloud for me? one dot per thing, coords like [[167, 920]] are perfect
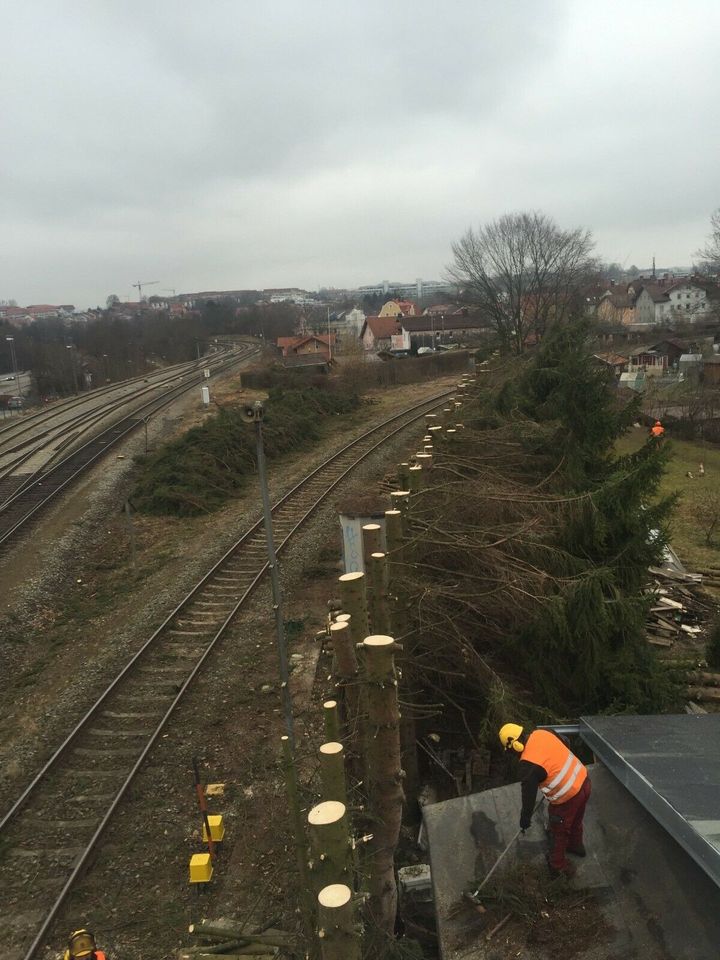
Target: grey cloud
[[234, 144]]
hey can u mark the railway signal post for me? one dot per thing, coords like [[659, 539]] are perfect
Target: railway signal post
[[253, 413]]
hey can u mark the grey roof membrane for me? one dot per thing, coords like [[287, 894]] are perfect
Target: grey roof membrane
[[671, 765]]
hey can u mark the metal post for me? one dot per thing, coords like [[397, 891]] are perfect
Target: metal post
[[71, 348], [11, 341], [286, 702]]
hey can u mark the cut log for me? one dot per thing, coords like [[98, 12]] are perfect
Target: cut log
[[704, 693]]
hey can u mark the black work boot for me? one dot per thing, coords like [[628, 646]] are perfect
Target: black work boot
[[577, 851]]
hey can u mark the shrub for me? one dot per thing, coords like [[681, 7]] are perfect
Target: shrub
[[208, 465]]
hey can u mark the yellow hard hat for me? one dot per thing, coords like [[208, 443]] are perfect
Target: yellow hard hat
[[510, 734], [81, 943]]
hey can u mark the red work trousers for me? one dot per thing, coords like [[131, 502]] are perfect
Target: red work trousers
[[566, 825]]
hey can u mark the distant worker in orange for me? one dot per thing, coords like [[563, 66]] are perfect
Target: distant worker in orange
[[82, 946], [657, 432]]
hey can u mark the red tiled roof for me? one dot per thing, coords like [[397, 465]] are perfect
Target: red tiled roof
[[382, 328], [40, 307]]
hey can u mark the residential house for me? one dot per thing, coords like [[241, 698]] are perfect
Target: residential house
[[310, 345], [651, 362], [347, 324], [17, 316], [652, 305], [399, 308], [673, 349], [43, 311], [693, 299], [429, 330], [377, 333], [616, 307]]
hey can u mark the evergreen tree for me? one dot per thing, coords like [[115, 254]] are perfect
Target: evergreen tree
[[587, 650]]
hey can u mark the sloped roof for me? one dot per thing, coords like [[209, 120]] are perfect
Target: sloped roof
[[382, 328], [618, 299], [659, 294]]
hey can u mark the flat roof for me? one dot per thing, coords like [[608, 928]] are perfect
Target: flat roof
[[671, 765]]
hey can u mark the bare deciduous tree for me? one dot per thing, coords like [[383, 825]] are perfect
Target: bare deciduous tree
[[523, 272], [710, 253]]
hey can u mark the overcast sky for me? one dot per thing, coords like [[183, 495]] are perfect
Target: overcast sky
[[230, 144]]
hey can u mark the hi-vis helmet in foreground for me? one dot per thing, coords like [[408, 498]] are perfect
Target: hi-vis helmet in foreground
[[81, 944], [510, 734]]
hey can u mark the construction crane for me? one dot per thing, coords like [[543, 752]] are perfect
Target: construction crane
[[145, 283]]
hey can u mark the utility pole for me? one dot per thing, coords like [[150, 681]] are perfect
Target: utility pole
[[11, 341], [253, 413]]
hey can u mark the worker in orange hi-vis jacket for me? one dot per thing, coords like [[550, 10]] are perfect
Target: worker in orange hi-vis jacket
[[657, 431], [548, 763], [82, 946]]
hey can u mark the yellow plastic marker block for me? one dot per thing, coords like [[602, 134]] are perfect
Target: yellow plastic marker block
[[201, 868], [217, 827], [215, 790]]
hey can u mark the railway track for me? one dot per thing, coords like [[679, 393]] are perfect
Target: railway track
[[26, 495], [49, 833], [23, 438]]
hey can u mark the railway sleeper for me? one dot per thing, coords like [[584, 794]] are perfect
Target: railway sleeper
[[147, 715], [97, 732], [58, 854], [93, 752], [158, 668]]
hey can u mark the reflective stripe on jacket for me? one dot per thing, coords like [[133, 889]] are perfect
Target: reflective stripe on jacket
[[565, 773]]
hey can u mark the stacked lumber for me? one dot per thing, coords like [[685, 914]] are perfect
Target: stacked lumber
[[706, 686], [680, 608]]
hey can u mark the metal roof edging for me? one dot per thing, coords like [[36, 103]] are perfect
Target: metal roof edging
[[681, 830]]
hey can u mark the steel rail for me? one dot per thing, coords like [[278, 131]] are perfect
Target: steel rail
[[416, 411], [134, 421], [68, 402], [62, 406], [95, 414]]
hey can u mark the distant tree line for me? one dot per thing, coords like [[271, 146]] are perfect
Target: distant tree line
[[65, 357]]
